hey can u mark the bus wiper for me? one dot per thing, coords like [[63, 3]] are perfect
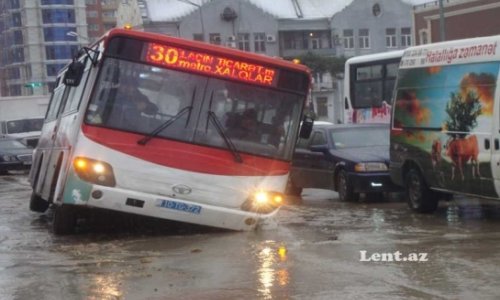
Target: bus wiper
[[213, 117], [143, 141], [163, 126]]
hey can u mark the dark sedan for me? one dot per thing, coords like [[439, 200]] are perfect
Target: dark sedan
[[14, 155], [350, 159]]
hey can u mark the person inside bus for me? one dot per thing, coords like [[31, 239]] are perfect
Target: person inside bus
[[245, 127], [131, 107]]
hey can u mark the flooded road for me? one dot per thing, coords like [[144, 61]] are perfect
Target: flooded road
[[322, 249]]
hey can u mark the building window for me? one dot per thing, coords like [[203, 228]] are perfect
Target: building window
[[15, 90], [50, 16], [424, 38], [93, 27], [53, 69], [92, 14], [52, 34], [244, 41], [17, 55], [322, 106], [14, 73], [16, 20], [48, 2], [198, 37], [108, 14], [214, 38], [315, 43], [14, 4], [60, 52], [376, 10], [289, 41], [405, 37], [18, 37], [364, 38], [390, 37], [260, 41], [348, 39]]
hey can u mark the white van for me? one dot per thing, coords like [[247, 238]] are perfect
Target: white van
[[445, 133], [26, 130]]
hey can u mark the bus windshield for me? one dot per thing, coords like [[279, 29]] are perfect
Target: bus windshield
[[186, 107]]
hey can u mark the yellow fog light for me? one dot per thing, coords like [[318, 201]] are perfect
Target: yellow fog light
[[94, 171], [263, 201]]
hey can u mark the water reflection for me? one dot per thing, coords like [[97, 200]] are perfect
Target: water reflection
[[106, 287], [273, 269]]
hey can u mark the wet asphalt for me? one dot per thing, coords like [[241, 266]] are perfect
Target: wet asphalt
[[319, 249]]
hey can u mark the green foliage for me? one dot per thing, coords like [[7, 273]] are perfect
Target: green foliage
[[462, 113], [322, 64]]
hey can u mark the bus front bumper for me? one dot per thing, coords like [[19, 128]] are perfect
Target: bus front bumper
[[174, 209]]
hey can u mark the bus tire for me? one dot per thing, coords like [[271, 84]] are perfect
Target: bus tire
[[420, 198], [345, 189], [292, 189], [64, 222], [37, 204]]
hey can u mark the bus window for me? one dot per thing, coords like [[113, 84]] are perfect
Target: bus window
[[55, 103], [368, 86], [75, 93]]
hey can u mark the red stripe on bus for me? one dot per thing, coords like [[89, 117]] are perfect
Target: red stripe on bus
[[183, 156]]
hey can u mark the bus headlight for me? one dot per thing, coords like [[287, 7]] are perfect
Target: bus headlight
[[263, 201], [370, 167], [94, 171]]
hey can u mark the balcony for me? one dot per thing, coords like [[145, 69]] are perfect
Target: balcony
[[297, 52]]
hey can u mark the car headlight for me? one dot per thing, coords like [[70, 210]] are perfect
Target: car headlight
[[370, 167], [94, 171], [263, 201], [8, 158]]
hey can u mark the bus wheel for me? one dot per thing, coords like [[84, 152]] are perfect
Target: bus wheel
[[64, 220], [345, 189], [292, 189], [420, 198], [37, 203]]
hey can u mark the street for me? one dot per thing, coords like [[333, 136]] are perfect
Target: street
[[321, 249]]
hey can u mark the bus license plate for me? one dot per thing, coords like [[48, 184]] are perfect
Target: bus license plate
[[177, 205]]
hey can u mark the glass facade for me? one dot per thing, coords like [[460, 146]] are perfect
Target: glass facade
[[57, 34], [60, 51], [50, 16]]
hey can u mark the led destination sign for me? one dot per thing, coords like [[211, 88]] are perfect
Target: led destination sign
[[210, 64]]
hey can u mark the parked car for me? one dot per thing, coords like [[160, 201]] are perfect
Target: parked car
[[350, 159], [14, 155]]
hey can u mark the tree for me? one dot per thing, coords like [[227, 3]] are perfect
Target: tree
[[322, 64], [462, 113]]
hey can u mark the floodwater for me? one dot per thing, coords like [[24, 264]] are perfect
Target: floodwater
[[322, 249]]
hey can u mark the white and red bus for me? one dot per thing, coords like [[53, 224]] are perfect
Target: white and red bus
[[368, 84], [175, 159]]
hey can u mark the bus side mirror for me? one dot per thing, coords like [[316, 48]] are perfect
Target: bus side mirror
[[306, 128], [346, 103], [74, 73]]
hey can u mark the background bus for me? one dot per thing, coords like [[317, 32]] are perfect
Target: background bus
[[140, 123], [368, 84]]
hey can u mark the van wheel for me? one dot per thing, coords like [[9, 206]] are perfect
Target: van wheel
[[420, 198], [37, 203], [64, 220], [345, 189]]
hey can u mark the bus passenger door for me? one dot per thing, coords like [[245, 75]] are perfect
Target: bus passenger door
[[48, 145]]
